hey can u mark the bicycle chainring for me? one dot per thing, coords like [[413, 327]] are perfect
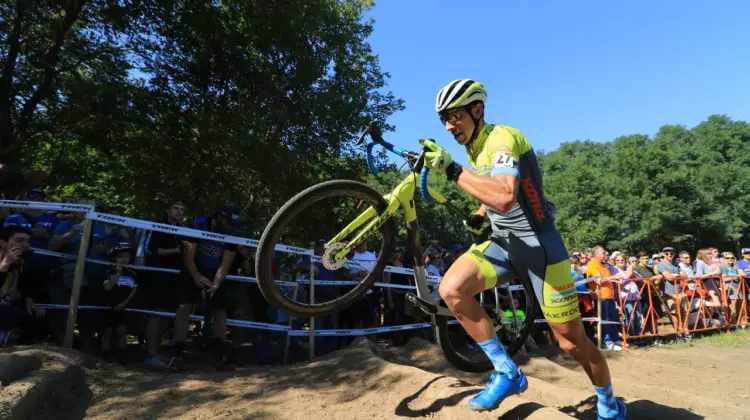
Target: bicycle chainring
[[328, 258]]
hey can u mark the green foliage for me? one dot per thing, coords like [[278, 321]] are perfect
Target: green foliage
[[687, 188], [205, 101]]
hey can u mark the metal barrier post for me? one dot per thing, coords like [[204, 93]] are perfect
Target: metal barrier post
[[75, 294], [311, 341], [599, 313], [289, 323]]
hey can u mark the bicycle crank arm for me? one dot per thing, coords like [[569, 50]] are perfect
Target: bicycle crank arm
[[425, 306]]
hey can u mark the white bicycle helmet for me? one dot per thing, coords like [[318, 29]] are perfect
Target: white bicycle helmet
[[458, 93]]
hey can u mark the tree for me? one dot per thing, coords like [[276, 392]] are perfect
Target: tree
[[206, 101], [685, 187]]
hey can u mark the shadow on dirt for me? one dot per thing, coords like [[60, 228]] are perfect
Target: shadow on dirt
[[640, 409], [403, 410]]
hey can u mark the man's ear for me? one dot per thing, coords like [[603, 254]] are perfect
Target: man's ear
[[478, 110]]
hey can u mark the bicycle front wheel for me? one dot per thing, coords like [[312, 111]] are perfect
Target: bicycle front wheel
[[513, 315], [325, 212]]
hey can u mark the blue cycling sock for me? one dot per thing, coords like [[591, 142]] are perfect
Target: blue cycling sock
[[499, 357], [607, 406]]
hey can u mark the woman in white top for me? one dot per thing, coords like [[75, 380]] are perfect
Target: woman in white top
[[629, 293]]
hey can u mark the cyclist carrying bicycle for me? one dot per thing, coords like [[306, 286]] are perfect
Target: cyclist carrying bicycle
[[507, 181]]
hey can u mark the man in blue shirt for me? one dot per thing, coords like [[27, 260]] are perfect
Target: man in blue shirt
[[41, 224], [744, 263], [206, 265]]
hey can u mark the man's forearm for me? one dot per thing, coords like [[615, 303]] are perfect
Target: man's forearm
[[220, 274], [192, 269], [489, 191], [165, 252]]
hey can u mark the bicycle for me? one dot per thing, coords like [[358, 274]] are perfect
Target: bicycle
[[378, 220]]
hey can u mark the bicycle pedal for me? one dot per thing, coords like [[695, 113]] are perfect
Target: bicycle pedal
[[422, 304]]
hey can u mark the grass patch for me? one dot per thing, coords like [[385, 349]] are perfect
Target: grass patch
[[737, 338]]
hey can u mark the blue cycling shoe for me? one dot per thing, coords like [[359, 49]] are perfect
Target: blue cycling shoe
[[497, 389], [622, 412]]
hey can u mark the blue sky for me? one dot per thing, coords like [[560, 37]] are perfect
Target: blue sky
[[566, 70]]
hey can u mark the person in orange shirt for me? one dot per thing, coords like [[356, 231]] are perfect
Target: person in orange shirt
[[598, 267]]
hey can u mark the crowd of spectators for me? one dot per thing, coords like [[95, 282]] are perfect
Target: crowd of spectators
[[644, 289]]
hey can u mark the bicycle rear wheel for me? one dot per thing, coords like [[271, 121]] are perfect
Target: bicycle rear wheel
[[460, 350], [324, 224]]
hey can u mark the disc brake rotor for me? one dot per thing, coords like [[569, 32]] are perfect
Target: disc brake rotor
[[329, 258]]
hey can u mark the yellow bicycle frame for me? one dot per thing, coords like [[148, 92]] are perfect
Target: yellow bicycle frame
[[401, 196]]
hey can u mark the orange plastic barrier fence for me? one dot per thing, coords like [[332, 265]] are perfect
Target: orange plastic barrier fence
[[649, 309]]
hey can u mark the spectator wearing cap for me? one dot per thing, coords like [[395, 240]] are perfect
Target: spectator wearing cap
[[119, 288], [206, 264], [163, 250], [41, 224], [744, 263], [672, 274], [17, 307]]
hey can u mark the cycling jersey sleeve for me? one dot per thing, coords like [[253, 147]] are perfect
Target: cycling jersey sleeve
[[505, 152]]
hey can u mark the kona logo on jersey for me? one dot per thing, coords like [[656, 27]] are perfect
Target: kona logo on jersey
[[563, 299], [532, 196]]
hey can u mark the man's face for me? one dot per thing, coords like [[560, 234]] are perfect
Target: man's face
[[600, 255], [643, 260], [459, 123], [668, 255], [123, 258], [17, 240], [746, 256], [176, 212], [685, 258]]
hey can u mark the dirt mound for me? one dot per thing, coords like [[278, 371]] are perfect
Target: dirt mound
[[369, 381], [42, 383]]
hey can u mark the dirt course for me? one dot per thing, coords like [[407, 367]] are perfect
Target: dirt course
[[366, 381]]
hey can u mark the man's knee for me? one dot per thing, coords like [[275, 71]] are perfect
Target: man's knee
[[450, 291], [572, 339]]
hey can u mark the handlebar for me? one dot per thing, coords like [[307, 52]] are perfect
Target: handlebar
[[376, 135]]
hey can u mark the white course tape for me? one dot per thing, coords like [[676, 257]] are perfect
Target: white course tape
[[40, 205], [232, 322], [192, 233]]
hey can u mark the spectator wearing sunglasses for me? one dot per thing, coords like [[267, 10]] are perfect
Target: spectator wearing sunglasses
[[730, 275], [672, 274]]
